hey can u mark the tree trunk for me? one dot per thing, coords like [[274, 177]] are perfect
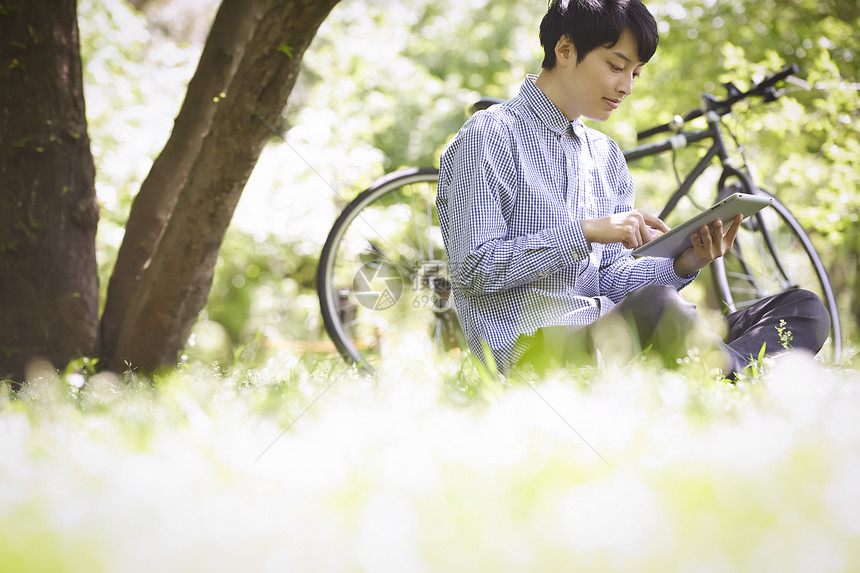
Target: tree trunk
[[48, 277], [154, 203], [173, 288]]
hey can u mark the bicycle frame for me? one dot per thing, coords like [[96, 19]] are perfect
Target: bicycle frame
[[683, 139], [716, 150]]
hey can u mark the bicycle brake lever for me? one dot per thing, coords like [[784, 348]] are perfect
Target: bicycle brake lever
[[732, 90], [770, 94]]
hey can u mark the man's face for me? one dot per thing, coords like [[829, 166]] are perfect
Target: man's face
[[597, 85]]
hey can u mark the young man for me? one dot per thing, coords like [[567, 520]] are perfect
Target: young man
[[536, 211]]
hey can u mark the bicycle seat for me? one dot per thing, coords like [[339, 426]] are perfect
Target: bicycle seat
[[485, 102]]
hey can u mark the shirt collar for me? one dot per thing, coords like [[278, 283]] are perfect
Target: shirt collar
[[547, 111]]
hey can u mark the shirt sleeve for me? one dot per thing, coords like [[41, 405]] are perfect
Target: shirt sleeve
[[620, 272], [476, 195]]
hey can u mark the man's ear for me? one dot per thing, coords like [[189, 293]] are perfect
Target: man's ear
[[565, 52]]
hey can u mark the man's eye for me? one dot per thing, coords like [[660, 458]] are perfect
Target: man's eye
[[614, 68]]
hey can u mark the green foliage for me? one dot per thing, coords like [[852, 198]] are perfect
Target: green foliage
[[264, 287], [785, 335], [415, 86], [386, 84]]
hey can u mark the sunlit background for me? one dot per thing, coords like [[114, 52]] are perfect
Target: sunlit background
[[253, 456], [386, 84]]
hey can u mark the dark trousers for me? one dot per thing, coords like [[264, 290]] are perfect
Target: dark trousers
[[656, 317]]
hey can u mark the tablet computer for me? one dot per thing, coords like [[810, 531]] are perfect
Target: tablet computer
[[677, 240]]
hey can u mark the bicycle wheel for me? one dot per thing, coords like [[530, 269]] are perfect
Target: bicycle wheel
[[772, 253], [383, 279]]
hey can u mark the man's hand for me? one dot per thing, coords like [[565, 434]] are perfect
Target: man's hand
[[709, 244], [631, 229]]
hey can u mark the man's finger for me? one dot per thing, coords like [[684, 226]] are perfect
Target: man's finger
[[705, 234], [654, 221], [696, 240], [717, 237], [644, 232], [728, 238], [734, 228]]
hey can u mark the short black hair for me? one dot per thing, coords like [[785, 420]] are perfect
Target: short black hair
[[593, 23]]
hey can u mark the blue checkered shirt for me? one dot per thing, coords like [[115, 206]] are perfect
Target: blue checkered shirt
[[514, 185]]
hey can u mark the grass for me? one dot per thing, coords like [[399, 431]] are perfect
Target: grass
[[308, 466]]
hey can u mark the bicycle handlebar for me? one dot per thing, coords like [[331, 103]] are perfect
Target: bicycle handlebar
[[763, 88]]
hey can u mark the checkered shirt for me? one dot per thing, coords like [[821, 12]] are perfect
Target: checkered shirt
[[514, 184]]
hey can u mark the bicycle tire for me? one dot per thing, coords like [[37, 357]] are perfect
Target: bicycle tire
[[382, 275], [753, 270]]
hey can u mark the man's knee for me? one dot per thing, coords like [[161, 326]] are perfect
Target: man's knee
[[652, 303], [806, 305], [807, 299], [659, 317], [655, 294], [810, 304]]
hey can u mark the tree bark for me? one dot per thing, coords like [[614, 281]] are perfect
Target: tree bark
[[231, 30], [48, 276], [173, 288]]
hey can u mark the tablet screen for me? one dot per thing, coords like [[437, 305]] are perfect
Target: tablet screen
[[677, 240]]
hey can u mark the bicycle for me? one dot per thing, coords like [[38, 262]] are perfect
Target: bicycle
[[389, 235]]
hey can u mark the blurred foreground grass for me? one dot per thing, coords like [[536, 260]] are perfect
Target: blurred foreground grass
[[309, 466]]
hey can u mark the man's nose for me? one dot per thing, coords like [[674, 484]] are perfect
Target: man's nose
[[626, 85]]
